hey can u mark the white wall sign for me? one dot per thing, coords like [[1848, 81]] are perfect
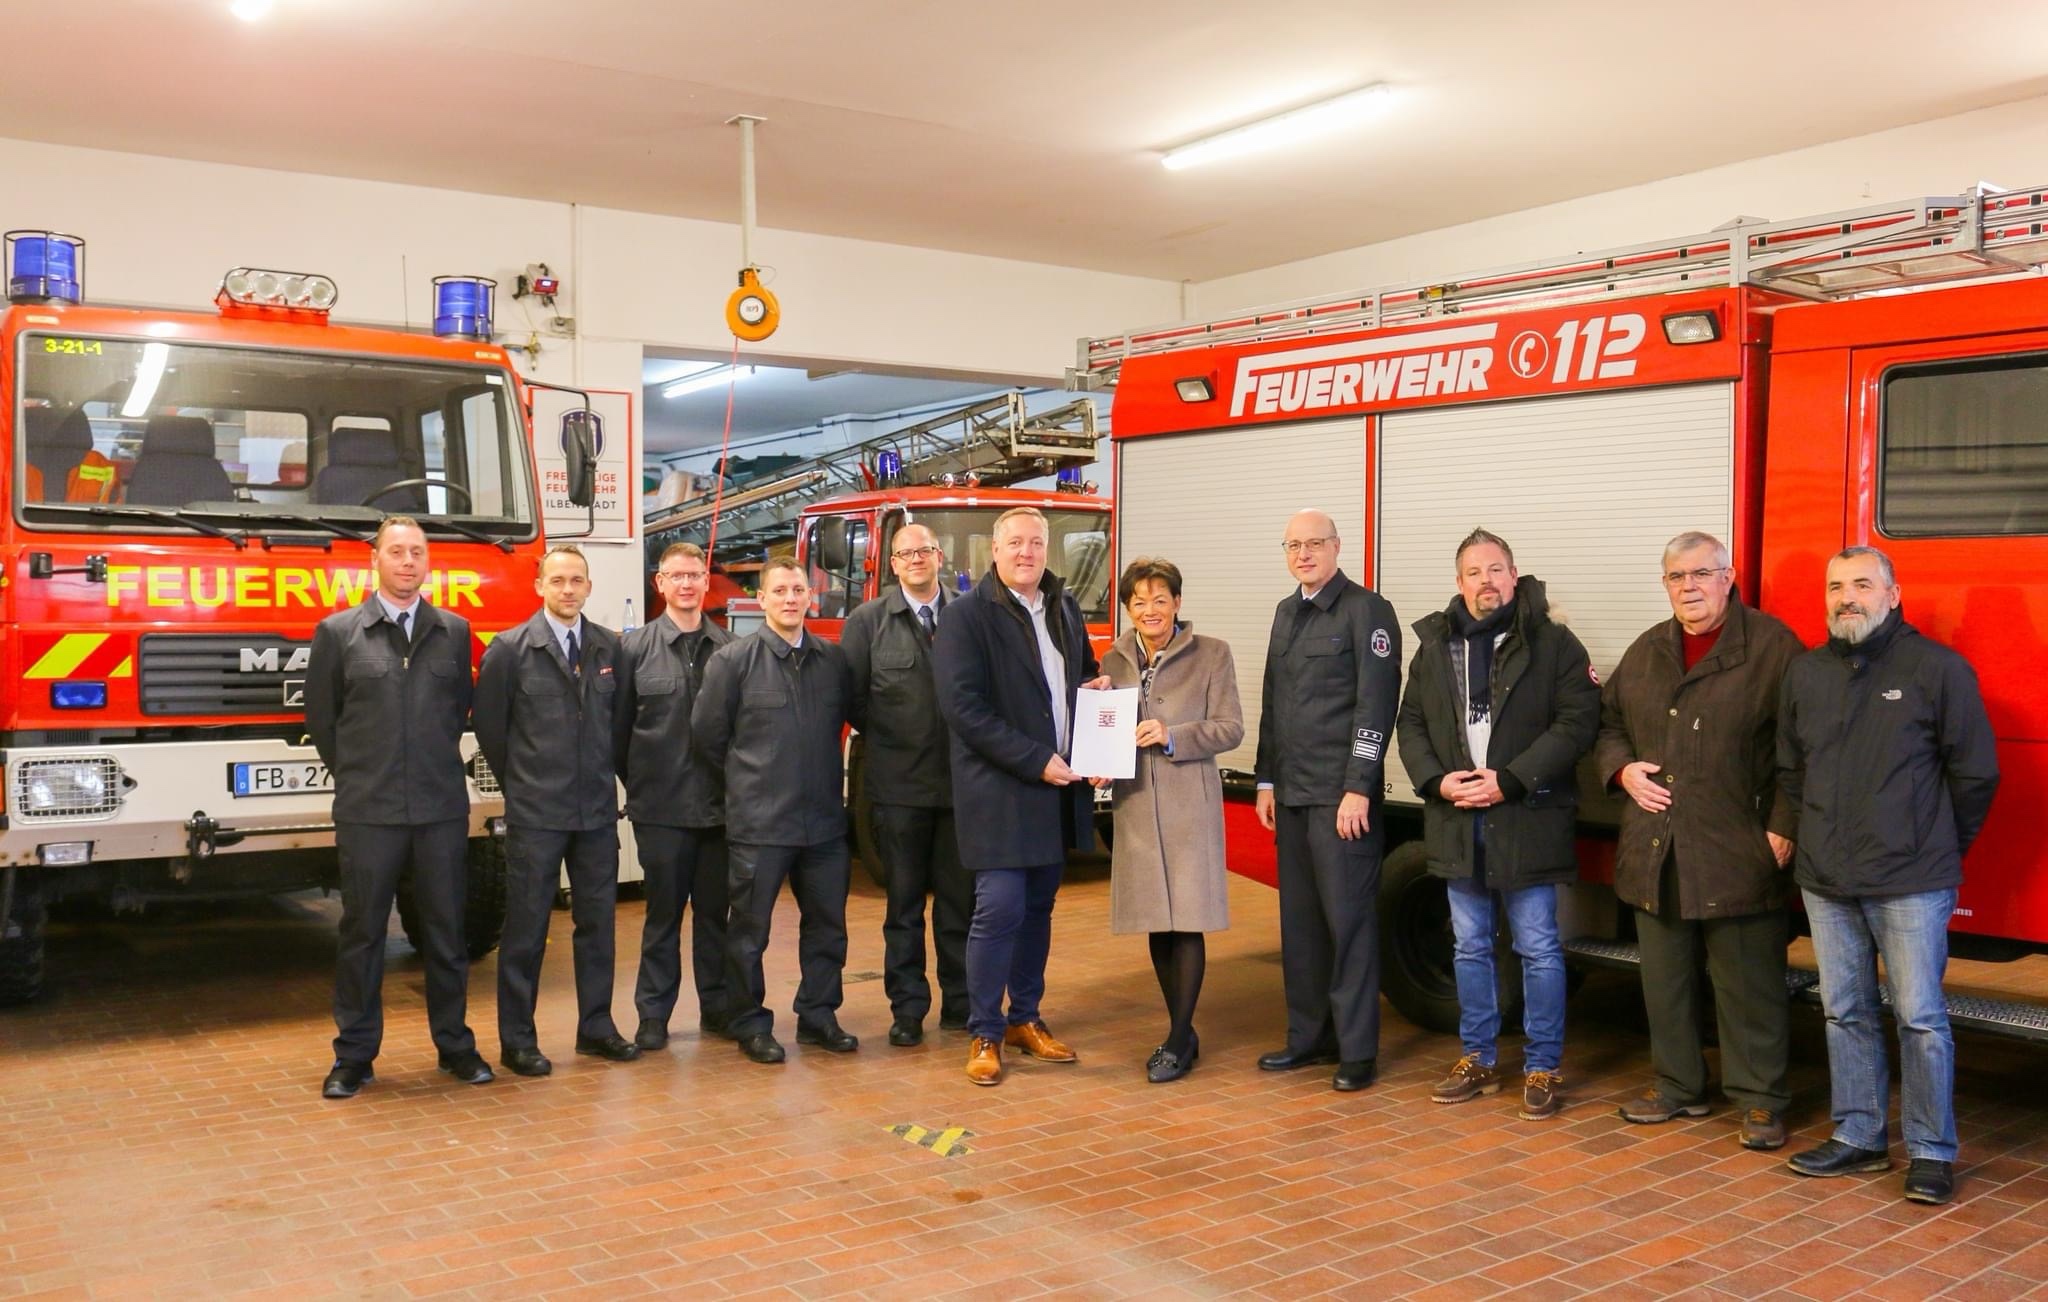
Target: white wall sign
[[617, 459]]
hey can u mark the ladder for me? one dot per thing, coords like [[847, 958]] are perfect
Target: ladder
[[995, 440], [1985, 232]]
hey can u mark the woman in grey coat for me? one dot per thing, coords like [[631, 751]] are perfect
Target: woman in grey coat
[[1167, 875]]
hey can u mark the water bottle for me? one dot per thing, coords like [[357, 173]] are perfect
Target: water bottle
[[628, 624]]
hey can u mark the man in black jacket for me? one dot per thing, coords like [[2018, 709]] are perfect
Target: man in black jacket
[[767, 722], [1007, 663], [909, 785], [1885, 749], [545, 697], [387, 697], [677, 822], [1502, 701], [1333, 680]]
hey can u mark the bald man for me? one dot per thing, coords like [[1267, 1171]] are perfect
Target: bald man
[[1333, 680]]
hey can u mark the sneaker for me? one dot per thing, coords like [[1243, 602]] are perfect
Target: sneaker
[[1468, 1080], [1762, 1129], [1542, 1095], [1654, 1107]]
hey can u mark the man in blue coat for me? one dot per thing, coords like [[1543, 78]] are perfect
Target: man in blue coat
[[1007, 661]]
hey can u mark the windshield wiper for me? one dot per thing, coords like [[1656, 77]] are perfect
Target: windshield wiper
[[239, 539], [443, 522], [308, 521]]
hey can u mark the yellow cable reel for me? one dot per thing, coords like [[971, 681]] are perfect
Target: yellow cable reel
[[752, 312]]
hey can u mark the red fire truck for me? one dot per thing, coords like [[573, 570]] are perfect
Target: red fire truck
[[1792, 387], [189, 495]]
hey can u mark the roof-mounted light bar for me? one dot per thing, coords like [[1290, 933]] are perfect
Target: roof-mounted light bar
[[464, 307], [45, 267], [293, 291]]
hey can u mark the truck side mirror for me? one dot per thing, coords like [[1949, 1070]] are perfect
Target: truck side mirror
[[833, 553], [582, 437]]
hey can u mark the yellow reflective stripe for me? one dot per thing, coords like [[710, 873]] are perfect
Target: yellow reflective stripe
[[69, 653], [99, 474], [914, 1134], [947, 1138], [126, 669]]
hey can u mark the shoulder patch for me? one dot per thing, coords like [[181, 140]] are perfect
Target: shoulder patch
[[1382, 645]]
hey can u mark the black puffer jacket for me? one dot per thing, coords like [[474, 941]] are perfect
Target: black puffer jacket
[[1546, 713], [1887, 750]]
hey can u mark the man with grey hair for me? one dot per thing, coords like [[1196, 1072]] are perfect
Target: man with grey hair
[[1688, 732], [1885, 749]]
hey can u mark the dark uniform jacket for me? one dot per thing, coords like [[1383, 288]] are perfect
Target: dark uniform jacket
[[386, 718], [1546, 713], [767, 725], [992, 692], [547, 733], [895, 705], [1333, 682], [1714, 733], [651, 725], [1889, 755]]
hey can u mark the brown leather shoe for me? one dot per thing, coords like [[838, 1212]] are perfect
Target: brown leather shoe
[[1037, 1042], [1762, 1129], [985, 1062]]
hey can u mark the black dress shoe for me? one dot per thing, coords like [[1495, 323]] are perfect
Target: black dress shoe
[[714, 1024], [952, 1021], [1167, 1065], [526, 1062], [468, 1067], [653, 1033], [1833, 1157], [1930, 1180], [762, 1048], [1289, 1059], [903, 1033], [345, 1079], [614, 1047], [831, 1036], [1355, 1075]]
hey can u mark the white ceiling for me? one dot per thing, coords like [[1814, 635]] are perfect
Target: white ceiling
[[778, 400], [1026, 130]]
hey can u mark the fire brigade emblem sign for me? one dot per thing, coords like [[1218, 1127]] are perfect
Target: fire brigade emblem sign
[[1382, 645]]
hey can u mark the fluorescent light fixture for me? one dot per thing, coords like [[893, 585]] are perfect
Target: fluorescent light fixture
[[710, 379], [148, 374], [1282, 129], [680, 371], [250, 11]]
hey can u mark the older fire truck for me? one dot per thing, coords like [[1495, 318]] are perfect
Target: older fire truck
[[189, 494], [1793, 387]]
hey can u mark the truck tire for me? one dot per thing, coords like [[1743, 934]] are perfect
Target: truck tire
[[483, 906], [21, 952], [1415, 947]]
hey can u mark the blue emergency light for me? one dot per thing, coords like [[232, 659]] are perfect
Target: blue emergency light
[[464, 306], [43, 267], [77, 695], [889, 467], [1069, 478]]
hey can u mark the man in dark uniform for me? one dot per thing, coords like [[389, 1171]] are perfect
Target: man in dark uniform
[[1333, 680], [677, 824], [909, 785], [768, 721], [387, 698], [545, 698]]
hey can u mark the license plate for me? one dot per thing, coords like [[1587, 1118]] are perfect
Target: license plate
[[288, 779]]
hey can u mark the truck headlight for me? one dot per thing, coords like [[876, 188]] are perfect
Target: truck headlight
[[84, 786]]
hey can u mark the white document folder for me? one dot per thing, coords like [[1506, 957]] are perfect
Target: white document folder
[[1106, 733]]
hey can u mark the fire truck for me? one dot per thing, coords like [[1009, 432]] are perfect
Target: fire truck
[[1877, 376], [952, 474], [189, 494]]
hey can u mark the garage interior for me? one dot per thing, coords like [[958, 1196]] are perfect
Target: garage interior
[[949, 198]]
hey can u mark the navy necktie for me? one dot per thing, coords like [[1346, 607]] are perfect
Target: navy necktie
[[405, 626], [924, 617], [575, 657]]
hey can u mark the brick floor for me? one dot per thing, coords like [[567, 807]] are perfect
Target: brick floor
[[166, 1139]]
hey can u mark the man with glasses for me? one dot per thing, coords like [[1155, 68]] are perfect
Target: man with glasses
[[1333, 680], [909, 785], [678, 824], [1688, 732]]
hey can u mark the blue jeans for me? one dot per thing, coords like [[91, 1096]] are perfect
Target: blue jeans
[[1532, 920], [1007, 944], [1910, 932]]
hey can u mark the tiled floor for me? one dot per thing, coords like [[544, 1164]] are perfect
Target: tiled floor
[[165, 1137]]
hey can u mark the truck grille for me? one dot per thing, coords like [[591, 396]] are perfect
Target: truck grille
[[76, 788], [222, 673], [486, 781]]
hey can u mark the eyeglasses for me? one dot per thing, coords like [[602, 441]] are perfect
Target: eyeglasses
[[682, 576], [1296, 546], [1677, 578], [915, 553]]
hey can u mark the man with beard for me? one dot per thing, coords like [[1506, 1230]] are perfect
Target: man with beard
[[1885, 749]]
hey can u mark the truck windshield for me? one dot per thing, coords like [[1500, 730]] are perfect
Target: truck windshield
[[1079, 550], [269, 435]]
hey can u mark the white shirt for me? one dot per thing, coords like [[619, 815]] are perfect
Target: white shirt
[[1052, 661]]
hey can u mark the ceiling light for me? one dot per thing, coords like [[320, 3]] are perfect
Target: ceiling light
[[682, 371], [250, 11], [1283, 129], [708, 380]]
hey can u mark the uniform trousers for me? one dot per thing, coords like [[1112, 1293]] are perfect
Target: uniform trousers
[[534, 859], [920, 857], [817, 877], [373, 857], [683, 867], [1329, 932]]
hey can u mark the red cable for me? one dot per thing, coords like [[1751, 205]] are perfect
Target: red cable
[[724, 449]]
